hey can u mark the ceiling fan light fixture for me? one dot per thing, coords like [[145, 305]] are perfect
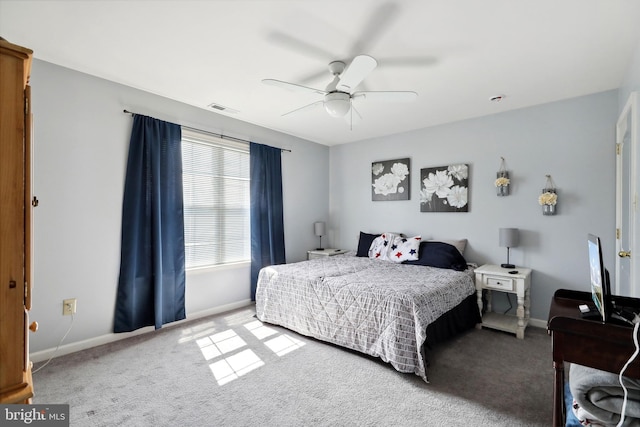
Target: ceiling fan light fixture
[[337, 104]]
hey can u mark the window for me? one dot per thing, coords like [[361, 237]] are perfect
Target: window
[[216, 200]]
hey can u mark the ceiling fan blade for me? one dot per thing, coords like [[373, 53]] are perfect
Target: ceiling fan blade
[[379, 22], [387, 96], [311, 106], [293, 87], [355, 72], [408, 61], [357, 116], [313, 77], [353, 117], [299, 46]]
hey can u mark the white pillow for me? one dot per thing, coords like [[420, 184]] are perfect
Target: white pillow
[[393, 247]]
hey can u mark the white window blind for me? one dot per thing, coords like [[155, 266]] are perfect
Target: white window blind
[[216, 200]]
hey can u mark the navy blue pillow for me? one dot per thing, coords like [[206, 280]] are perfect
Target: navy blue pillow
[[441, 255], [364, 243]]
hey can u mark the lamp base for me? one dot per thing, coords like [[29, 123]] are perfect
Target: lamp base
[[507, 266], [319, 249]]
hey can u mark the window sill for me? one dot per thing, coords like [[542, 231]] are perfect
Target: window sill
[[219, 267]]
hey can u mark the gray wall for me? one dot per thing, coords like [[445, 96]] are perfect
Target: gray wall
[[572, 140], [81, 138]]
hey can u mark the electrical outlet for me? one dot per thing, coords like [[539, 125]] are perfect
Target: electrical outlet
[[68, 307]]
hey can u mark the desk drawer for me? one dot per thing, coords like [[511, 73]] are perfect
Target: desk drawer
[[499, 283]]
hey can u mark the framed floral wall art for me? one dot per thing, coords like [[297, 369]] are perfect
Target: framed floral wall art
[[444, 189], [390, 180]]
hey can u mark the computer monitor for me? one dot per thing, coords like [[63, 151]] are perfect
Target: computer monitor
[[600, 283]]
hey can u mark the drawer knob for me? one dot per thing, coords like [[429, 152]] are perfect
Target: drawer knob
[[33, 326]]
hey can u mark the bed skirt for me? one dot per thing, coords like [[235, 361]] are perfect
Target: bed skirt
[[459, 319]]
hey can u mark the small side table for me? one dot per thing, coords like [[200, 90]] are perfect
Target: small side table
[[495, 278], [326, 252]]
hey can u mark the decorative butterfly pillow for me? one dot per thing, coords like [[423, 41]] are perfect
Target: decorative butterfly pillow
[[394, 247]]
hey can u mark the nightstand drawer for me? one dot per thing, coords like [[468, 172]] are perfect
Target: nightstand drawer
[[499, 283]]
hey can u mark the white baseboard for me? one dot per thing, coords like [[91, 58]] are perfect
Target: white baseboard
[[43, 355], [537, 323]]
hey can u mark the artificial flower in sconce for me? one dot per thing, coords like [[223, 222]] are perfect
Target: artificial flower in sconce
[[549, 198], [502, 180]]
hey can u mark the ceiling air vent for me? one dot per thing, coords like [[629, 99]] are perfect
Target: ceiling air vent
[[222, 108]]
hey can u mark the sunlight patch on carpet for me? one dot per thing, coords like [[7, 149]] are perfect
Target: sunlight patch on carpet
[[220, 343], [231, 355], [208, 349], [227, 341], [193, 333], [260, 331], [235, 366], [283, 344]]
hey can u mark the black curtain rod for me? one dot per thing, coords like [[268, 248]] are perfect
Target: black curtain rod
[[210, 133]]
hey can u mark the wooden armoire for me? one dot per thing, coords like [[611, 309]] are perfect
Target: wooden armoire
[[16, 384]]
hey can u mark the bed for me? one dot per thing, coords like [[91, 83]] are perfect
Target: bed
[[380, 307]]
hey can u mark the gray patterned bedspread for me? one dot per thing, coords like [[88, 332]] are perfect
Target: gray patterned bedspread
[[379, 308]]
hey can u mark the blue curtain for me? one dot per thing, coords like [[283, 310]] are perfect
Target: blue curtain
[[151, 286], [267, 223]]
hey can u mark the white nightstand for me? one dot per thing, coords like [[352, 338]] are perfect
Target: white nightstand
[[495, 278], [326, 252]]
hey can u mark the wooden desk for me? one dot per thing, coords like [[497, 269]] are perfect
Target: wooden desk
[[590, 343]]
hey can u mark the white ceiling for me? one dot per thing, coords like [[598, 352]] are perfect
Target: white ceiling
[[455, 54]]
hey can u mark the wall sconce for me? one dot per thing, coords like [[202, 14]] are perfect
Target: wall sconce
[[508, 238], [549, 197], [319, 229], [502, 179]]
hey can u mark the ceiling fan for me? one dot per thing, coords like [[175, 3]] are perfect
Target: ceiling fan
[[339, 94]]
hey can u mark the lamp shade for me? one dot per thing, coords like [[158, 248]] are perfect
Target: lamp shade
[[509, 237], [319, 228]]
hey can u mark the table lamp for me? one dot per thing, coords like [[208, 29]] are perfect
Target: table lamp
[[319, 229], [509, 239]]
